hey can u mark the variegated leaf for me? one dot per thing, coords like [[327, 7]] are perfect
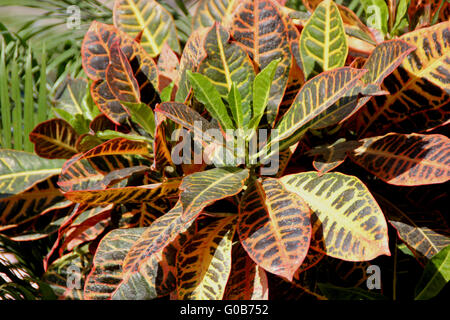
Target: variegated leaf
[[347, 222], [95, 49], [120, 78], [204, 188], [311, 106], [274, 227], [41, 225], [247, 280], [107, 271], [108, 103], [226, 63], [419, 89], [168, 67], [155, 22], [210, 11], [90, 168], [260, 27], [323, 44], [137, 215], [204, 262], [149, 269], [312, 259], [406, 159], [87, 227], [19, 170], [59, 274], [193, 53], [29, 203], [54, 139], [383, 60]]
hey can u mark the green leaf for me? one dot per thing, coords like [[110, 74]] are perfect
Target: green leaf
[[312, 106], [401, 19], [206, 93], [28, 104], [143, 115], [42, 100], [166, 93], [377, 14], [107, 271], [347, 223], [235, 103], [148, 16], [323, 43], [20, 170], [340, 293], [4, 101], [204, 262], [261, 91], [435, 276], [111, 134], [226, 63], [204, 188]]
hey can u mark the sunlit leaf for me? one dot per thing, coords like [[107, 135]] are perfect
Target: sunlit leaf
[[107, 270], [323, 44], [419, 94], [20, 170], [193, 53], [227, 63], [210, 11], [149, 270], [204, 262], [260, 27], [346, 217], [403, 159], [60, 275], [203, 188], [435, 276], [133, 16], [120, 78], [83, 171], [274, 227]]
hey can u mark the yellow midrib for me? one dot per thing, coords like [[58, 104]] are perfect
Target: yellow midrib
[[72, 96], [141, 22], [224, 60], [205, 263], [206, 190], [317, 204], [136, 91], [28, 173], [327, 35], [58, 143]]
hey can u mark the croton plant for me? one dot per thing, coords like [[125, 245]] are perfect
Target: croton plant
[[355, 121]]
